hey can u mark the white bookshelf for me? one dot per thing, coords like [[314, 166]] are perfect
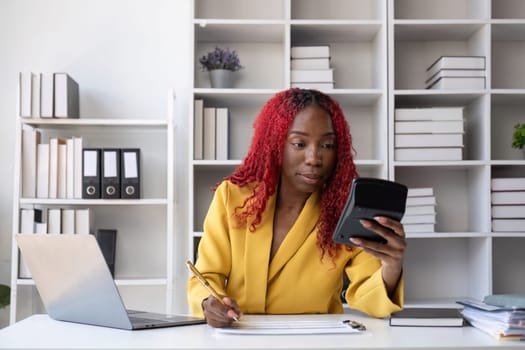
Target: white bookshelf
[[380, 50], [145, 227]]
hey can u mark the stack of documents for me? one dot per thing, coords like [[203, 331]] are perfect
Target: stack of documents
[[500, 321], [420, 212]]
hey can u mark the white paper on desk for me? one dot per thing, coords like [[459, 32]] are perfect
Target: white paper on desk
[[264, 325]]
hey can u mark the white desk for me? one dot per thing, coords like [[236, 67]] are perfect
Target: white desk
[[41, 332]]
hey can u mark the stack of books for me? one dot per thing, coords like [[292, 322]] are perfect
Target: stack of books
[[211, 132], [500, 315], [310, 67], [420, 212], [456, 72], [508, 204], [434, 133]]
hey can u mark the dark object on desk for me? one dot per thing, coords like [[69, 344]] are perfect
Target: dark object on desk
[[368, 198], [427, 317], [74, 282]]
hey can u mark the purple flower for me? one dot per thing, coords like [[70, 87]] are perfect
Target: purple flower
[[220, 59]]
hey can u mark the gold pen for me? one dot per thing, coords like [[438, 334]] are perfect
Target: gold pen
[[205, 283]]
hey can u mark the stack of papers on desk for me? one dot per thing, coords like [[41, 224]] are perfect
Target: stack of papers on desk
[[290, 324], [501, 322]]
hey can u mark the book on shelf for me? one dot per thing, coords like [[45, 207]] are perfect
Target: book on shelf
[[429, 127], [209, 133], [458, 83], [70, 168], [420, 210], [222, 135], [427, 317], [456, 62], [77, 167], [420, 191], [454, 73], [431, 154], [312, 76], [84, 220], [428, 140], [508, 197], [54, 220], [419, 219], [508, 184], [428, 113], [420, 200], [198, 128], [66, 96], [508, 211], [35, 96], [30, 140], [320, 51], [42, 170], [68, 221], [310, 63], [419, 228], [508, 225], [315, 86], [54, 144], [62, 170], [47, 98], [25, 91], [511, 301]]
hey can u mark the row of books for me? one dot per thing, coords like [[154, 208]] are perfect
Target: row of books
[[434, 133], [63, 169], [420, 211], [508, 204], [47, 95], [211, 132], [310, 67], [456, 72]]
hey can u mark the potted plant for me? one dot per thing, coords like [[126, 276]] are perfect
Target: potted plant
[[221, 63], [518, 136]]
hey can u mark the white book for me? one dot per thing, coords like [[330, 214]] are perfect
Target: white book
[[508, 211], [418, 201], [198, 129], [47, 95], [35, 96], [54, 221], [68, 221], [431, 113], [428, 140], [508, 225], [429, 127], [321, 51], [41, 228], [77, 167], [222, 135], [454, 73], [315, 86], [420, 210], [83, 221], [25, 82], [70, 166], [30, 140], [27, 226], [62, 170], [310, 63], [456, 62], [314, 76], [415, 154], [419, 219], [508, 197], [66, 96], [42, 170], [53, 168], [419, 228], [451, 83], [209, 133], [508, 184], [420, 191]]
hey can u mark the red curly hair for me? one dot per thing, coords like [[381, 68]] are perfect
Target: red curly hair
[[262, 165]]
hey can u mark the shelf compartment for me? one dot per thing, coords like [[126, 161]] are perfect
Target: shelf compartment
[[508, 51], [239, 9], [507, 268], [506, 111], [337, 9], [508, 9], [443, 9]]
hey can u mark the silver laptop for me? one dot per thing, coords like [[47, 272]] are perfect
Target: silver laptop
[[75, 284]]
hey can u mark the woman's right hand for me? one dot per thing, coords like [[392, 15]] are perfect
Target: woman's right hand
[[218, 314]]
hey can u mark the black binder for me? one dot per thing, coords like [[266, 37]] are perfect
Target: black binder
[[369, 197], [91, 173], [107, 241], [130, 173], [110, 173]]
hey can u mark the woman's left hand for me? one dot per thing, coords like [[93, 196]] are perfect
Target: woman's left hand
[[390, 253]]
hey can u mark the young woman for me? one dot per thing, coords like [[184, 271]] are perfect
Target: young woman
[[267, 245]]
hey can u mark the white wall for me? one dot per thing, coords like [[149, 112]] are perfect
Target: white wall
[[125, 55]]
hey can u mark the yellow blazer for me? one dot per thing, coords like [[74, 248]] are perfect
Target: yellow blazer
[[236, 263]]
